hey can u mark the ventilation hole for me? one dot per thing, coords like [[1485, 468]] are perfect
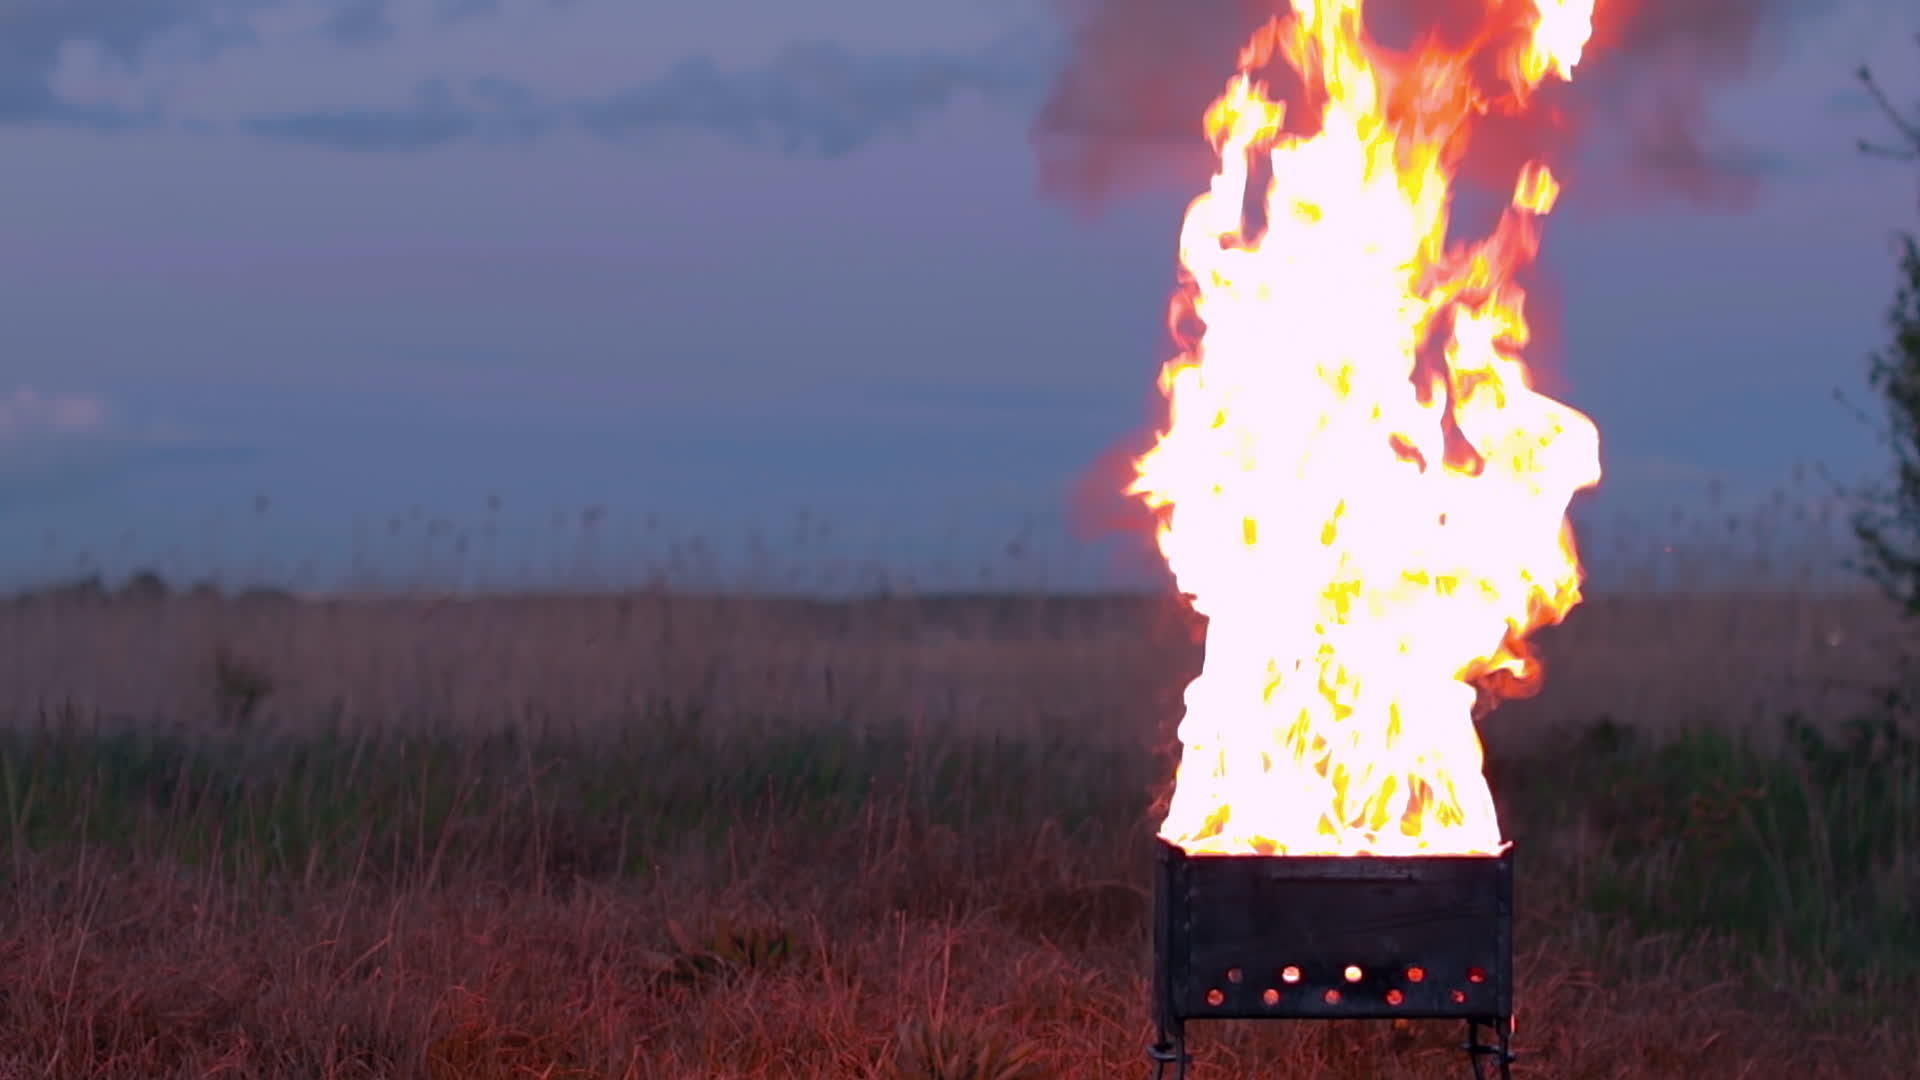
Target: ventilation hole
[[1476, 975], [1332, 997], [1416, 974], [1271, 997], [1234, 975], [1215, 997], [1459, 997], [1290, 974], [1352, 973], [1395, 997]]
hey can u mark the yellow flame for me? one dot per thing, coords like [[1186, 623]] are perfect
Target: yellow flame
[[1358, 485]]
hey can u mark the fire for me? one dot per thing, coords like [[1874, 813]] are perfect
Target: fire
[[1358, 485]]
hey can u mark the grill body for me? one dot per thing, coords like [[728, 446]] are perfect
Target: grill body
[[1332, 937]]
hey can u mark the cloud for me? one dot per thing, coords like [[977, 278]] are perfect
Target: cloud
[[428, 123], [29, 414], [54, 447], [808, 99], [362, 23], [50, 447], [490, 108], [359, 22], [817, 98], [38, 36], [35, 34], [814, 99], [452, 11]]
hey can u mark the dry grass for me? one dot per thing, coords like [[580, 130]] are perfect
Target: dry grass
[[740, 837], [147, 971], [1009, 663]]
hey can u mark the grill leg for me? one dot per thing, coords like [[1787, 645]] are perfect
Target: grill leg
[[1500, 1051], [1170, 1049]]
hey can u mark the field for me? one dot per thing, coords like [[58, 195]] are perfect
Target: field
[[669, 835]]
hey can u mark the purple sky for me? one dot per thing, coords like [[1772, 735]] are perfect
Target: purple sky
[[366, 257]]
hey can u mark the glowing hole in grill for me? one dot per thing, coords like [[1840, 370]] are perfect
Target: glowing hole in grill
[[1234, 975], [1352, 973], [1416, 974], [1476, 975], [1290, 974], [1271, 997], [1332, 997], [1459, 997], [1215, 997], [1395, 997]]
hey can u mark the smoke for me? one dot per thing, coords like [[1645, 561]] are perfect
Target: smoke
[[1125, 109]]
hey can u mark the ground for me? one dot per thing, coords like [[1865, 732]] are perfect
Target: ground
[[658, 835]]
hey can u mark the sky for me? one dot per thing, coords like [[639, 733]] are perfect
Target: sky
[[496, 289]]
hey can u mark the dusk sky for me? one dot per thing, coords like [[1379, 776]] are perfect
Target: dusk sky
[[723, 262]]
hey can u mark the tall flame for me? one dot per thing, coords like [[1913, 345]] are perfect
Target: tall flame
[[1358, 485]]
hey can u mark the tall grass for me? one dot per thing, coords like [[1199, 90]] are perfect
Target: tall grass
[[661, 833]]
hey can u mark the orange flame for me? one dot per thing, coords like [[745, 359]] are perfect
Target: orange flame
[[1358, 485]]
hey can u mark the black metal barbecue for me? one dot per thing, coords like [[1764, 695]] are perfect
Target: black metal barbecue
[[1257, 937]]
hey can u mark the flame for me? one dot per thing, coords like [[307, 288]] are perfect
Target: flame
[[1358, 486]]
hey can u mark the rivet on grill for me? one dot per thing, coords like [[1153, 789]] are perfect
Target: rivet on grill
[[1290, 974], [1271, 997], [1416, 974], [1395, 997], [1332, 997], [1476, 975], [1352, 973], [1215, 997], [1459, 997], [1234, 975]]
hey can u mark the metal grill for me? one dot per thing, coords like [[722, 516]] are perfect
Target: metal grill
[[1253, 937]]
